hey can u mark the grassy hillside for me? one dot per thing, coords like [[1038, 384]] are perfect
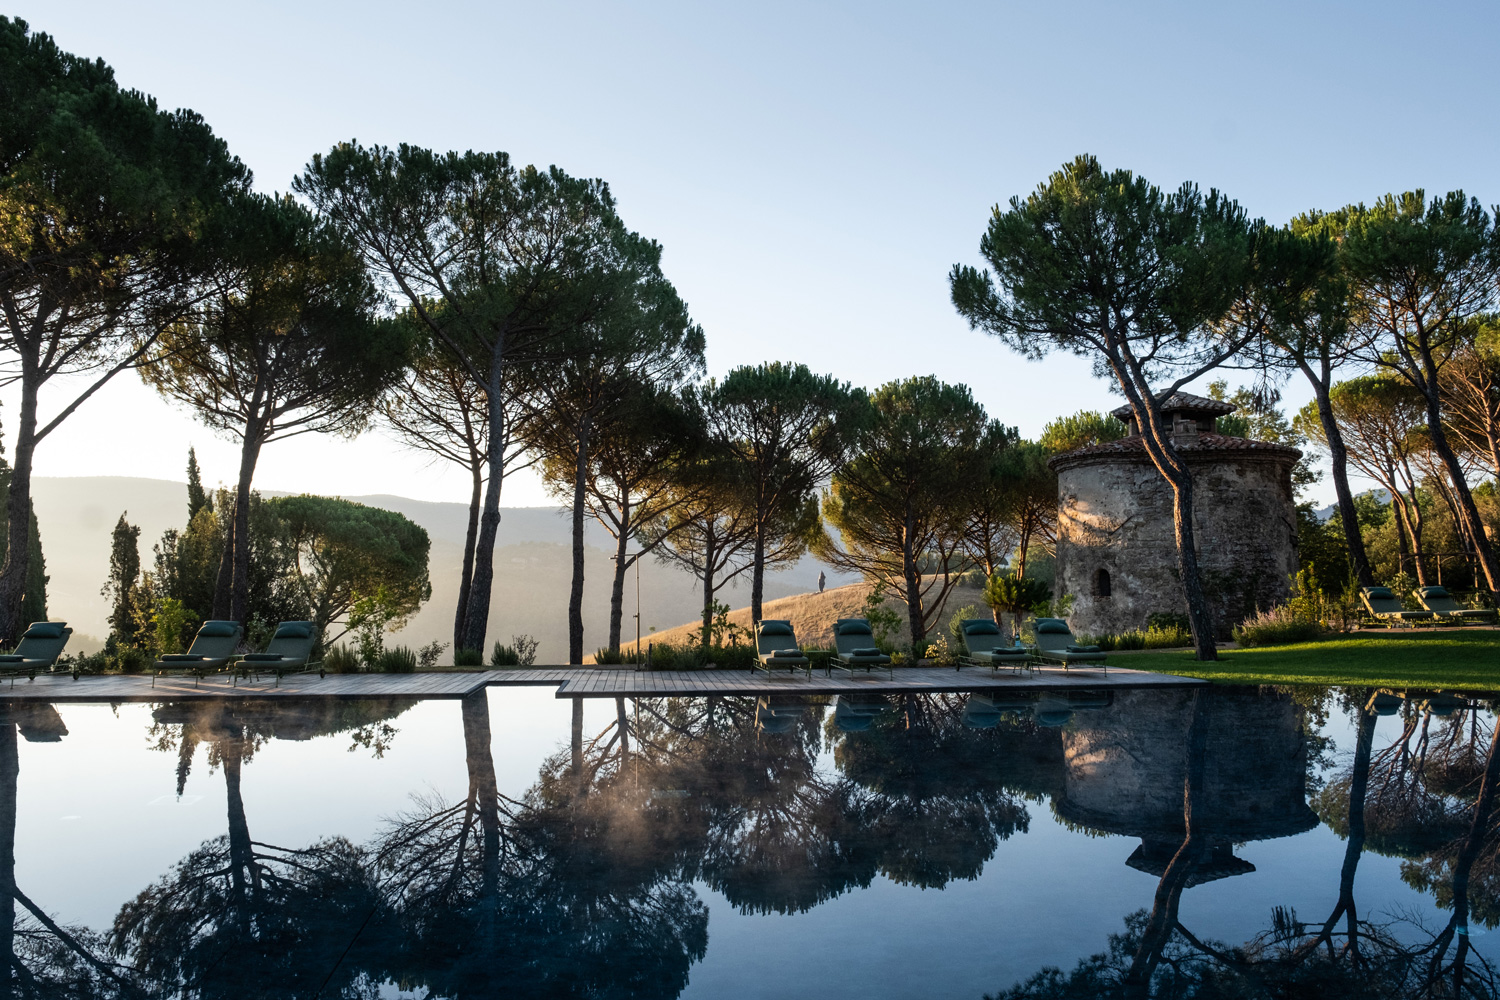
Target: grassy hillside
[[813, 614]]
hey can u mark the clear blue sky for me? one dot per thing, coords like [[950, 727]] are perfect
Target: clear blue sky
[[813, 170]]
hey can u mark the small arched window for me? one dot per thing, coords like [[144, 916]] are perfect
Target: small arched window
[[1101, 583]]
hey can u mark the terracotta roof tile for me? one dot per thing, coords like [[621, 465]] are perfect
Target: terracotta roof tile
[[1205, 442], [1182, 402]]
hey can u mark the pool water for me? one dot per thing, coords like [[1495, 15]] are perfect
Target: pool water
[[1180, 842]]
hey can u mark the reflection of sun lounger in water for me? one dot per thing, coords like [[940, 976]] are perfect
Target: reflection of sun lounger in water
[[856, 713], [777, 716], [1386, 607], [776, 646], [1441, 603], [212, 649], [40, 646]]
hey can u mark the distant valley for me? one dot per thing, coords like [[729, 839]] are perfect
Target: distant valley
[[533, 565]]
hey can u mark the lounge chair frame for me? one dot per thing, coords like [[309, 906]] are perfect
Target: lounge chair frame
[[1051, 647], [1447, 609], [293, 655], [1392, 617], [32, 653], [214, 654], [984, 649]]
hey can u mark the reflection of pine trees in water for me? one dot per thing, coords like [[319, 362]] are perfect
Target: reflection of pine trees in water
[[583, 887], [1345, 955]]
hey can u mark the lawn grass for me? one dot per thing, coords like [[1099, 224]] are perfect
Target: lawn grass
[[1461, 659]]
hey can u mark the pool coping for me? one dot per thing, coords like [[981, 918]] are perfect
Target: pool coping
[[575, 682]]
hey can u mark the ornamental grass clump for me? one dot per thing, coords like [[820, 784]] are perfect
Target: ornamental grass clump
[[397, 660], [468, 658], [1280, 626], [341, 660]]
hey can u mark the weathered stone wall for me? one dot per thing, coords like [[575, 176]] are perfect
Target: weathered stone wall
[[1115, 515]]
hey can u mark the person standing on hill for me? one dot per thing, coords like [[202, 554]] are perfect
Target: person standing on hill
[[821, 581]]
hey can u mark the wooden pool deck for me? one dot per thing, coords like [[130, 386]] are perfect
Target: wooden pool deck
[[573, 682]]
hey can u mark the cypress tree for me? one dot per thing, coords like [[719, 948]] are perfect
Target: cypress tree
[[124, 580], [198, 498]]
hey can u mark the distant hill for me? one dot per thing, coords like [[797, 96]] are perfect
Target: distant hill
[[1324, 513], [533, 564], [813, 615]]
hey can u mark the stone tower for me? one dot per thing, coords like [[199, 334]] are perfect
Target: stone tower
[[1116, 546]]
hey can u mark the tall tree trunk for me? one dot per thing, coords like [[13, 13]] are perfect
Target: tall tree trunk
[[237, 539], [617, 585], [1164, 455], [466, 578], [1403, 531], [1413, 508], [758, 569], [10, 771], [1338, 458], [1024, 543], [477, 618], [708, 588], [575, 591], [484, 790], [911, 574], [1471, 518], [17, 565]]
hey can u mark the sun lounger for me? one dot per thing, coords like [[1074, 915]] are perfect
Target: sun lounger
[[40, 646], [776, 647], [288, 652], [855, 644], [1055, 644], [1441, 603], [1385, 607], [985, 645], [212, 650]]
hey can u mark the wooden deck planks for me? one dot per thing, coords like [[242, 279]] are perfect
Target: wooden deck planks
[[571, 682]]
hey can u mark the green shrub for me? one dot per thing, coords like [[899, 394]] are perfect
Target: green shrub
[[1167, 636], [955, 633], [503, 656], [1169, 620], [602, 656], [1277, 627], [427, 656], [525, 647], [88, 663], [341, 660], [132, 660], [468, 658], [397, 660], [734, 657], [1134, 639]]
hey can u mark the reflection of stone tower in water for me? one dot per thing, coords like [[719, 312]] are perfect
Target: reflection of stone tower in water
[[1125, 769], [1116, 541]]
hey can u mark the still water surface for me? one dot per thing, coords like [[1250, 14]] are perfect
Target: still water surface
[[514, 844]]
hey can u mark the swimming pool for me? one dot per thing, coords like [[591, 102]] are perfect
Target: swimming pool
[[512, 843]]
